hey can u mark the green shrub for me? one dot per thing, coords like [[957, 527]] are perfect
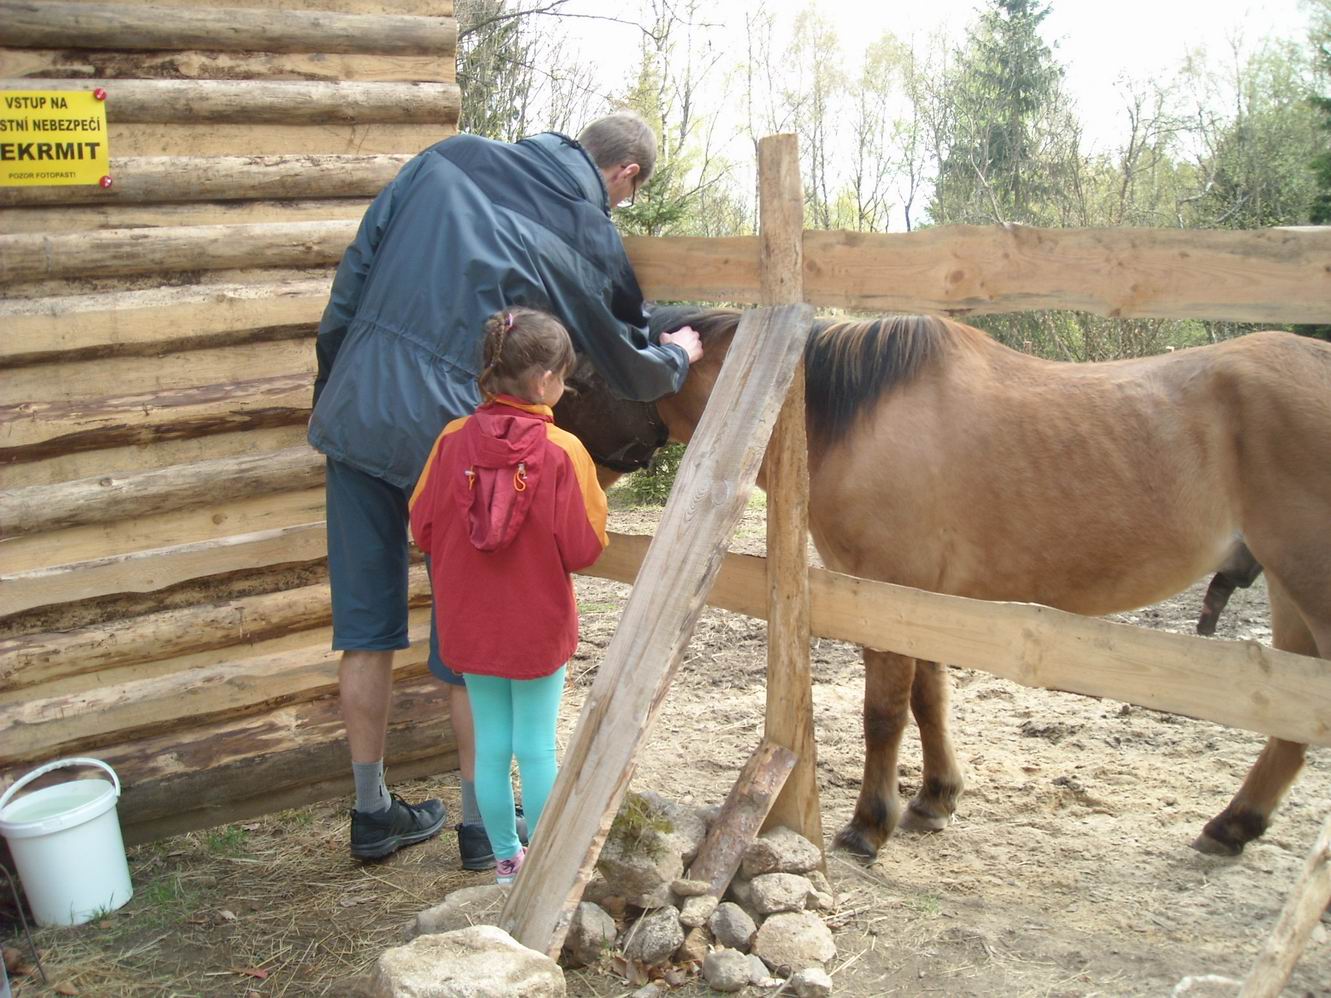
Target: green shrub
[[651, 486]]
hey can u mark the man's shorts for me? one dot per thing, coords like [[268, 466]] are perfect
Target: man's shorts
[[368, 559]]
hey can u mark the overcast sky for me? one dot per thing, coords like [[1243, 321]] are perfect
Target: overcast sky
[[1097, 42]]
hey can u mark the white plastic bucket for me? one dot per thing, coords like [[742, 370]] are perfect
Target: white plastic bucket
[[67, 846]]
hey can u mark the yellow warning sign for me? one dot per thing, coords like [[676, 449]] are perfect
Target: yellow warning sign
[[53, 137]]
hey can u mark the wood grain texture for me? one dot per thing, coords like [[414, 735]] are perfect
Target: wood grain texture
[[118, 252], [158, 568], [789, 716], [108, 498], [63, 24], [167, 179], [1267, 275], [81, 218], [213, 65], [742, 816], [130, 322], [259, 102]]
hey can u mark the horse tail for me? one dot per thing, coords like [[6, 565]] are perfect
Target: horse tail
[[848, 366]]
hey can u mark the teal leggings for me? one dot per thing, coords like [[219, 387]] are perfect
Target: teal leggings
[[513, 717]]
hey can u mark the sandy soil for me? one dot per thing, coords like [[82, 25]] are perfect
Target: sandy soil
[[1067, 870]]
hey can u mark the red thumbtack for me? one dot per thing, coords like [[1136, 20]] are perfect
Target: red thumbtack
[[105, 182], [99, 93]]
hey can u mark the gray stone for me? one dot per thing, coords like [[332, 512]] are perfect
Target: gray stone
[[794, 940], [759, 975], [820, 882], [479, 962], [780, 851], [652, 989], [726, 970], [774, 892], [655, 937], [690, 888], [695, 946], [461, 909], [650, 843], [811, 982], [732, 927], [822, 902], [741, 893], [688, 828], [696, 911], [590, 934]]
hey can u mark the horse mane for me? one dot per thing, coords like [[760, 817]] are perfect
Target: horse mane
[[848, 364]]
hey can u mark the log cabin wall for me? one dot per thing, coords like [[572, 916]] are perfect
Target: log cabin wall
[[163, 590]]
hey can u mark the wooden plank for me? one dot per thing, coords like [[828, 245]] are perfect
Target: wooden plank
[[429, 736], [75, 218], [135, 458], [743, 815], [149, 571], [286, 757], [219, 516], [55, 328], [180, 635], [75, 723], [256, 102], [1268, 275], [1242, 684], [199, 247], [156, 179], [206, 65], [710, 490], [696, 269], [418, 8], [271, 140], [789, 717], [1301, 914], [35, 430], [86, 380], [107, 498], [62, 24]]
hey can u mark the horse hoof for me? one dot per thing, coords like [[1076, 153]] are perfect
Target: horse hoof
[[1204, 843], [918, 821], [853, 840]]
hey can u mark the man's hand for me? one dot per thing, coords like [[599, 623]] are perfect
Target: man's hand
[[685, 337]]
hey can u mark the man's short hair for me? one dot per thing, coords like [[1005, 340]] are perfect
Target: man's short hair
[[619, 139]]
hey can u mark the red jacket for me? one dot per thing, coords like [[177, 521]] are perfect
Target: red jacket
[[507, 506]]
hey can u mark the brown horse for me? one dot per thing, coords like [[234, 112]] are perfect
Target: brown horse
[[942, 460]]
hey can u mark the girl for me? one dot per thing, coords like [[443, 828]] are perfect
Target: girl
[[507, 506]]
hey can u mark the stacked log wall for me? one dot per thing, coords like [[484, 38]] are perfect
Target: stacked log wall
[[163, 587]]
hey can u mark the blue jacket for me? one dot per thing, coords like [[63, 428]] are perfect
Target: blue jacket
[[468, 227]]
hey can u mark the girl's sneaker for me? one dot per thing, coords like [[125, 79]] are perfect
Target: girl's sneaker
[[507, 869]]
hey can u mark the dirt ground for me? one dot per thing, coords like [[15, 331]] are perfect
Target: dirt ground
[[1067, 870]]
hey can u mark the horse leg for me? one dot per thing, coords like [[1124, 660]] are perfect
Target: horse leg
[[940, 783], [1246, 816], [887, 686]]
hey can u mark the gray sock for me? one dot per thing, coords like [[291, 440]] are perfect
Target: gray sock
[[471, 812], [371, 794]]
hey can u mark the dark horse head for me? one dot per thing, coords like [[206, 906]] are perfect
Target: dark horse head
[[619, 435]]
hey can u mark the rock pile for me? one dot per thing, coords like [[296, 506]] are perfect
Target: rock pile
[[644, 920]]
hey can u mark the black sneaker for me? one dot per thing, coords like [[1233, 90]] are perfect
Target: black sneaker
[[474, 844], [379, 834]]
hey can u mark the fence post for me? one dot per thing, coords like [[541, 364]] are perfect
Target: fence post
[[789, 676]]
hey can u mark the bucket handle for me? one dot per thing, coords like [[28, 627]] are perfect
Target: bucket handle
[[58, 764]]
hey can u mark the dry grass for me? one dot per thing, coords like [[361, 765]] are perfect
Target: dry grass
[[275, 907]]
